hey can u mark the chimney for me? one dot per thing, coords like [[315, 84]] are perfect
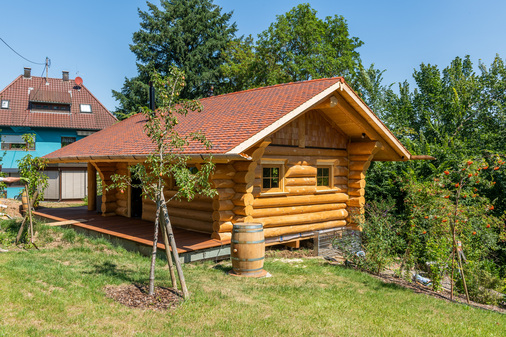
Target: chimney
[[65, 76], [27, 73]]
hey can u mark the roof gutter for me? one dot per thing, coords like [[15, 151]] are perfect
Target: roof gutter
[[216, 158]]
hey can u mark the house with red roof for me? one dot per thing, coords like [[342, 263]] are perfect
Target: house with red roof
[[58, 111], [291, 156]]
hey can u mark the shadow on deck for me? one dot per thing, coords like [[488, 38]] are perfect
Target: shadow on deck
[[137, 235]]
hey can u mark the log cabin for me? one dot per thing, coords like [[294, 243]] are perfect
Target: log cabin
[[291, 156]]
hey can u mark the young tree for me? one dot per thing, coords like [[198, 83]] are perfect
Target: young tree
[[168, 162], [188, 34]]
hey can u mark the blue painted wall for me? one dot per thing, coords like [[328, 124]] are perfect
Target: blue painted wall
[[47, 140]]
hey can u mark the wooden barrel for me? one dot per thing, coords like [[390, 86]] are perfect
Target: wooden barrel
[[248, 250]]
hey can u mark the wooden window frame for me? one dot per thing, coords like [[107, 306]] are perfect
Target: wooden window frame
[[274, 163], [325, 163]]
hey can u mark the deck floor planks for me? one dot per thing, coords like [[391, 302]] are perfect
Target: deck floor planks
[[136, 230]]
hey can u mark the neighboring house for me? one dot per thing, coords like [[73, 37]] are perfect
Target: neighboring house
[[58, 112], [292, 157]]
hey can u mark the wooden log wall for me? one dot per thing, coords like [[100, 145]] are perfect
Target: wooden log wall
[[109, 197], [196, 215], [360, 156], [300, 207]]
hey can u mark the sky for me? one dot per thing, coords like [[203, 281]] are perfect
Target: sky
[[91, 38]]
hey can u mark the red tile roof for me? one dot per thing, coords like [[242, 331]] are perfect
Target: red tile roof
[[226, 120], [22, 89]]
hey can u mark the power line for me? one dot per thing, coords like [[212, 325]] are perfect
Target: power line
[[42, 64]]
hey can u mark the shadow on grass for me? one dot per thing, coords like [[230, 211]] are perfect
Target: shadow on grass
[[224, 269], [111, 270]]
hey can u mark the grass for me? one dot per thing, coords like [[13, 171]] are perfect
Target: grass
[[59, 291]]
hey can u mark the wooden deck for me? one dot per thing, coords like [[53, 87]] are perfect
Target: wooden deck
[[137, 234]]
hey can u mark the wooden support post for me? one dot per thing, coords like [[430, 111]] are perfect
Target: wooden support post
[[92, 187]]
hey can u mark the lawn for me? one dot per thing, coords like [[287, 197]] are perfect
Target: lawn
[[59, 291]]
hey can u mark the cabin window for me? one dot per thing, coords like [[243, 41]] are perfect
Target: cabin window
[[271, 177], [273, 174], [323, 176], [15, 143], [67, 140]]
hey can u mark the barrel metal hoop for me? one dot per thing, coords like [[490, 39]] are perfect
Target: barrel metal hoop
[[248, 260], [248, 270]]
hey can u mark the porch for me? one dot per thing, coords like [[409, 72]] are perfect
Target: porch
[[135, 234]]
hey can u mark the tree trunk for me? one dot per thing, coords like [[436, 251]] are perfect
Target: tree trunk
[[172, 241], [153, 254]]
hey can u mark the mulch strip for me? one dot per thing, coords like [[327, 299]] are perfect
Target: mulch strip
[[136, 296]]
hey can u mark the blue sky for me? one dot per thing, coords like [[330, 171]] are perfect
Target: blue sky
[[91, 38]]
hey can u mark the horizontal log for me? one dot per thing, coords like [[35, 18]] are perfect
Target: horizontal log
[[359, 165], [122, 203], [170, 193], [341, 171], [299, 219], [296, 151], [223, 215], [223, 171], [300, 171], [148, 208], [244, 177], [108, 207], [191, 214], [278, 211], [194, 225], [223, 205], [221, 236], [300, 181], [356, 175], [122, 211], [360, 157], [340, 188], [244, 165], [121, 196], [198, 205], [299, 190], [356, 192], [149, 216], [258, 152], [245, 199], [222, 226], [225, 193], [357, 183], [300, 200], [109, 196], [223, 183], [244, 188], [340, 180], [356, 202], [245, 210], [363, 148], [278, 231]]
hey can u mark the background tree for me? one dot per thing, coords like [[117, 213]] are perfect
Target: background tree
[[298, 46], [188, 34]]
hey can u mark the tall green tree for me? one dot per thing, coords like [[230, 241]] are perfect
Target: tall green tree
[[188, 34], [300, 46]]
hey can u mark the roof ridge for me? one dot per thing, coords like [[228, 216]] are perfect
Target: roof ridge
[[277, 85]]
